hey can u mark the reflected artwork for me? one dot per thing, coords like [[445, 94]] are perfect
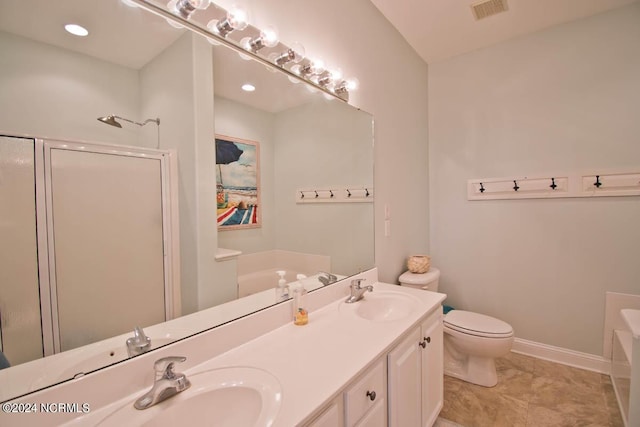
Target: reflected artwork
[[238, 184]]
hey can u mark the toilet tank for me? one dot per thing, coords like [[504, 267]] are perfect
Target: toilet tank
[[427, 281]]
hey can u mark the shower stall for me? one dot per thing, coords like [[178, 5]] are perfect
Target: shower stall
[[88, 243]]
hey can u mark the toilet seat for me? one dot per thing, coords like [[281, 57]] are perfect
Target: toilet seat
[[476, 324]]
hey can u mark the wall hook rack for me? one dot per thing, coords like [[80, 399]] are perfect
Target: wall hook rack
[[340, 194], [600, 183]]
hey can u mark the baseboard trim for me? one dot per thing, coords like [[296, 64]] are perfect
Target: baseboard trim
[[562, 355]]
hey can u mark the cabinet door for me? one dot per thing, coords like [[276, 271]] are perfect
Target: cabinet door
[[330, 417], [432, 368], [405, 382], [376, 417]]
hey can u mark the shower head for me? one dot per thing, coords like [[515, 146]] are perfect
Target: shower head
[[110, 120]]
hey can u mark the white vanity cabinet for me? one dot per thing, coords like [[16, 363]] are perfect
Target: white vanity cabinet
[[365, 402], [331, 415], [362, 404], [416, 375]]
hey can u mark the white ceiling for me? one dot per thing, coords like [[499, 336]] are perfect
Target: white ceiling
[[441, 29], [131, 37], [119, 34]]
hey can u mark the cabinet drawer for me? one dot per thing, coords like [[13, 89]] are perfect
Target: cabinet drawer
[[365, 393]]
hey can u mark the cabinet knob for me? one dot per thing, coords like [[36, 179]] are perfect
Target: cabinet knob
[[427, 339], [371, 395], [422, 344]]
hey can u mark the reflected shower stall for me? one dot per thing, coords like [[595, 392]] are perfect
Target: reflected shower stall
[[84, 229]]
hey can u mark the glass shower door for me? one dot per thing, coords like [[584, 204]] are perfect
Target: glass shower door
[[20, 322], [106, 243]]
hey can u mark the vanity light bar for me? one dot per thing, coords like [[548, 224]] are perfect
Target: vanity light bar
[[289, 59]]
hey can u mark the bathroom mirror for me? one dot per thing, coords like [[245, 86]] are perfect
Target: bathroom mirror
[[55, 85]]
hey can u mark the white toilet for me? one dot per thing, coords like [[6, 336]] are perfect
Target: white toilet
[[472, 341]]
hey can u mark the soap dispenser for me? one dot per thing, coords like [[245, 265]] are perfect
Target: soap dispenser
[[282, 290], [300, 312]]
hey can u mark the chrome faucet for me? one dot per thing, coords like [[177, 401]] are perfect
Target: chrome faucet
[[138, 343], [167, 383], [331, 278], [357, 291]]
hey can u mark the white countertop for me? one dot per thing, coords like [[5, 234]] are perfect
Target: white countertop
[[313, 363]]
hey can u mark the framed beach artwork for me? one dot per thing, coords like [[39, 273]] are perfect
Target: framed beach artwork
[[238, 183]]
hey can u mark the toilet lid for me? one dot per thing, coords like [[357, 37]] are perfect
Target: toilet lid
[[421, 279], [477, 324]]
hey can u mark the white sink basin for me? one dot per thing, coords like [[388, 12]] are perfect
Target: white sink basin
[[235, 396], [384, 306]]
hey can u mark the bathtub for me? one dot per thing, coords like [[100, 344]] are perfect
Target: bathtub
[[257, 271]]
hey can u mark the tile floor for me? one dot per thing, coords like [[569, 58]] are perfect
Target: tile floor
[[532, 393]]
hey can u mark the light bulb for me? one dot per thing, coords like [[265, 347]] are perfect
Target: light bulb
[[267, 38], [185, 8], [335, 74], [346, 86], [299, 52], [236, 19], [294, 54], [173, 9], [353, 84], [317, 66]]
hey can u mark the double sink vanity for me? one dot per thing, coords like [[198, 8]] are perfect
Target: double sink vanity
[[374, 362]]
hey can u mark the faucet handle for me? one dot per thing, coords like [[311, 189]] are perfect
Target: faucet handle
[[357, 283], [164, 366]]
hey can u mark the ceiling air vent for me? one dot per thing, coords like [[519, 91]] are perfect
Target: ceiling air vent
[[486, 8]]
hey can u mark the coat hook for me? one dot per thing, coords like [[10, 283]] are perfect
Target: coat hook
[[331, 194], [553, 184], [597, 183], [366, 194], [515, 185], [482, 189], [348, 193], [315, 191]]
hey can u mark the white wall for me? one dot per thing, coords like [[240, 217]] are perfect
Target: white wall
[[393, 87], [561, 100], [171, 99], [320, 145], [53, 92], [177, 86]]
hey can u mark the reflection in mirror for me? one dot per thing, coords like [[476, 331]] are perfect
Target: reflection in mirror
[[133, 64]]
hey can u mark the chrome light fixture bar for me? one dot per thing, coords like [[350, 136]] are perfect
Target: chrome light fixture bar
[[181, 13]]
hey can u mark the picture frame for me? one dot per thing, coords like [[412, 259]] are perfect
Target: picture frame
[[237, 183]]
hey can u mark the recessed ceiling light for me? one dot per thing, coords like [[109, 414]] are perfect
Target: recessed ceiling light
[[248, 87], [76, 30]]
